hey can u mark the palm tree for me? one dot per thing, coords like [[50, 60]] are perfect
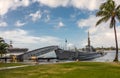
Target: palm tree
[[3, 46], [109, 11]]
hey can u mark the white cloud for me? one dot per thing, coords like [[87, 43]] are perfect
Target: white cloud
[[18, 3], [101, 35], [54, 3], [86, 4], [6, 5], [89, 4], [70, 46], [3, 24], [46, 15], [117, 2], [19, 23], [47, 18], [22, 38], [81, 4], [60, 24], [105, 37], [88, 22], [35, 16]]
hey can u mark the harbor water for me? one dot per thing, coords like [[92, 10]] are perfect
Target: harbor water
[[109, 57]]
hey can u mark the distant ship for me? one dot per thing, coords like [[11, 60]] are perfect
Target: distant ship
[[87, 53]]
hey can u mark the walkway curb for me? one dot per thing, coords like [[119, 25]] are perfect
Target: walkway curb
[[13, 67]]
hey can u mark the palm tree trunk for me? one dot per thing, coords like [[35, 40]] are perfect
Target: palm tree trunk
[[116, 55]]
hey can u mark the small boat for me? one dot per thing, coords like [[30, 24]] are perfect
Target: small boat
[[87, 53]]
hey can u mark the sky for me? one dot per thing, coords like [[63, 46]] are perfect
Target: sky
[[38, 23]]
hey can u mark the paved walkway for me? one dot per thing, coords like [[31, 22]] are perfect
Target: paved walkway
[[12, 67]]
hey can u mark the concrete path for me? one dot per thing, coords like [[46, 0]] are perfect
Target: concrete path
[[13, 67]]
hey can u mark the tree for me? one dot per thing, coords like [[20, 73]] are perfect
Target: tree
[[1, 40], [110, 11], [3, 46]]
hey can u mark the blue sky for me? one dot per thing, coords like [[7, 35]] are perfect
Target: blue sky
[[38, 23]]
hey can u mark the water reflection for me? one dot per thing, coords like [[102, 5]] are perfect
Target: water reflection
[[109, 57]]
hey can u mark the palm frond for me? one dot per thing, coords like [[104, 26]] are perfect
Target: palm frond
[[117, 11], [104, 19], [111, 6], [102, 13], [118, 8], [102, 6], [108, 6]]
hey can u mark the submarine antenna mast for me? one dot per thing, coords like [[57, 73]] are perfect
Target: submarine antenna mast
[[66, 44], [88, 39]]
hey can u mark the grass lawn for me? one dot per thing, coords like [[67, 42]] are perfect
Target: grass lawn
[[9, 64], [65, 70]]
